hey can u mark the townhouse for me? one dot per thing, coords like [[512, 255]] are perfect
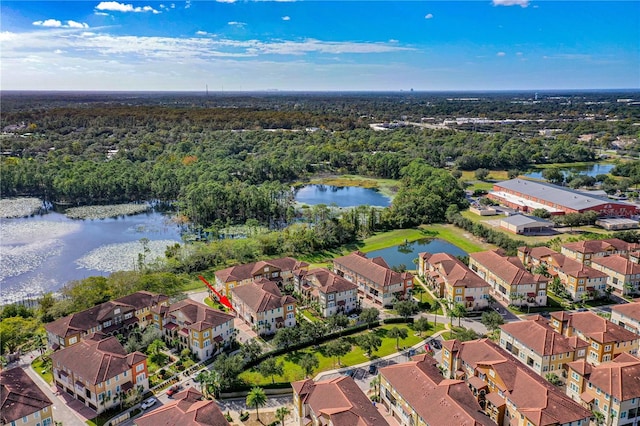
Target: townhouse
[[585, 251], [117, 316], [606, 340], [336, 402], [329, 291], [280, 270], [416, 394], [509, 392], [99, 372], [452, 279], [535, 344], [531, 256], [263, 307], [377, 283], [579, 280], [21, 400], [611, 388], [623, 274], [188, 408], [509, 279], [195, 326], [627, 316]]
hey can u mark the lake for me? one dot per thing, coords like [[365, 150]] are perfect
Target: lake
[[591, 170], [342, 196], [404, 254], [41, 253]]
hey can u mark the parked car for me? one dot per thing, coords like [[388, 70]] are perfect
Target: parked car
[[173, 390], [435, 344], [147, 403], [353, 317], [373, 369], [350, 373]]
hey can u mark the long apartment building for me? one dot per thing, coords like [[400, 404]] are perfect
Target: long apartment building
[[535, 344], [611, 388], [113, 317], [509, 279], [99, 372], [585, 251], [606, 340], [416, 394], [377, 282], [281, 271], [627, 316], [623, 274], [510, 393], [195, 326], [452, 279]]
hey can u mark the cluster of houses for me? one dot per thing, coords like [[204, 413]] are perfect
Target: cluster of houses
[[478, 382], [585, 269]]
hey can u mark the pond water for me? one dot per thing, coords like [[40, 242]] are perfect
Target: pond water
[[342, 196], [591, 170], [41, 253], [404, 254]]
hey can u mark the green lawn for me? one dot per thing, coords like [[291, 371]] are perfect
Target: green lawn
[[44, 372], [293, 372], [308, 315], [456, 236]]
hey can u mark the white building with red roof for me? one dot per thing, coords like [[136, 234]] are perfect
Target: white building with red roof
[[280, 270], [332, 293]]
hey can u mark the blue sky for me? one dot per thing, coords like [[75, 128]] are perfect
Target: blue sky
[[319, 45]]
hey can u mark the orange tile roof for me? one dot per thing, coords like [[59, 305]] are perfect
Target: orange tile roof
[[436, 400], [187, 409], [599, 329], [248, 270], [262, 296], [341, 400], [376, 270], [600, 246], [620, 377], [509, 269], [456, 273], [618, 264], [631, 310], [541, 338]]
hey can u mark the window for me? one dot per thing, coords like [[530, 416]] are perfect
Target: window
[[25, 419], [73, 340], [36, 414], [107, 324], [607, 348], [196, 334], [124, 374], [139, 368], [290, 308], [206, 334], [108, 382]]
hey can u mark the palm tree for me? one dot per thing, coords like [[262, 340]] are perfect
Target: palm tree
[[256, 398], [398, 333], [375, 385], [282, 413], [598, 417]]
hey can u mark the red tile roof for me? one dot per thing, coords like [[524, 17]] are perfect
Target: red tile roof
[[262, 296], [436, 400], [631, 310], [620, 377], [533, 396], [541, 338], [187, 409], [328, 281], [249, 270], [618, 264], [509, 269], [96, 358], [456, 273], [19, 396], [599, 329], [198, 316], [341, 400], [600, 246], [375, 270]]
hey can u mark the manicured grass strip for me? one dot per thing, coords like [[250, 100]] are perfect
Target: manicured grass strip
[[293, 372], [308, 315], [42, 370]]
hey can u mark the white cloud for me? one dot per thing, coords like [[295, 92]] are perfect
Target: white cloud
[[187, 4], [501, 54], [54, 23], [521, 3], [226, 1], [286, 18], [236, 23], [428, 16], [115, 6], [74, 24], [519, 53], [100, 13], [201, 33], [58, 51]]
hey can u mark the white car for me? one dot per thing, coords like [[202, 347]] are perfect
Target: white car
[[148, 403]]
